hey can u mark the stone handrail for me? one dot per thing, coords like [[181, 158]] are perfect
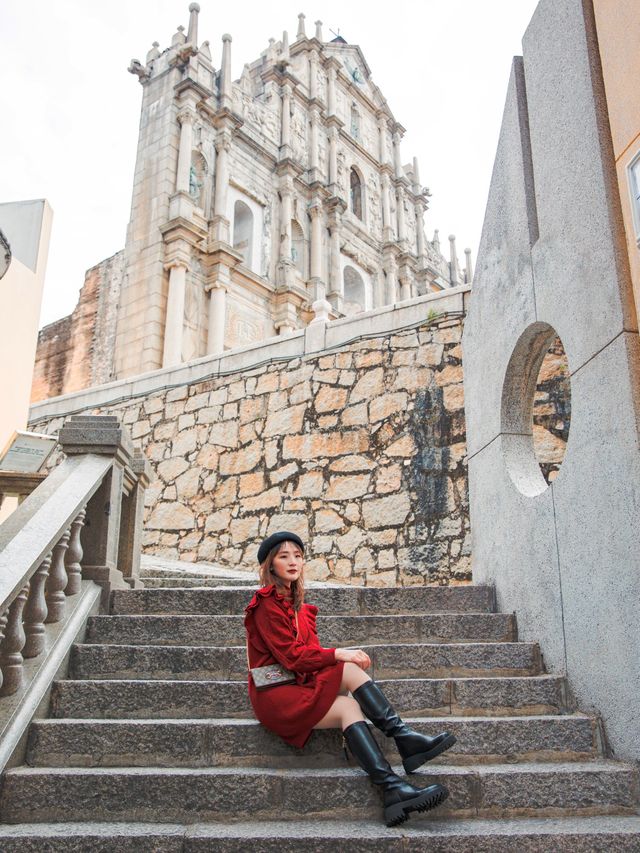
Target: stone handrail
[[96, 494]]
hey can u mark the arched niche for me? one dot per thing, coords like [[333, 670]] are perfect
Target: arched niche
[[198, 178], [356, 193], [354, 291], [243, 231], [298, 247]]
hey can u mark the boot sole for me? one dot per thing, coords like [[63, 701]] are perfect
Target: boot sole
[[414, 761], [399, 812]]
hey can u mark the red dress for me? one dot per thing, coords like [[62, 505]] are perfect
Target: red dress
[[290, 710]]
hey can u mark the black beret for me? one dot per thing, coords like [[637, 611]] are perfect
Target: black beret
[[275, 539]]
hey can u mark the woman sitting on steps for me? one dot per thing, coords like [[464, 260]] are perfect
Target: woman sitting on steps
[[281, 629]]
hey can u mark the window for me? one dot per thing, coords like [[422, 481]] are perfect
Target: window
[[356, 193], [634, 186]]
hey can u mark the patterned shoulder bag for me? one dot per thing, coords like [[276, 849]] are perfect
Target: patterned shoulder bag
[[273, 674]]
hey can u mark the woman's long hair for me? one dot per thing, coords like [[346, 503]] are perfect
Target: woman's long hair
[[267, 577]]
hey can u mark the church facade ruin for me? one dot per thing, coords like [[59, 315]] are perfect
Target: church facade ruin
[[256, 204]]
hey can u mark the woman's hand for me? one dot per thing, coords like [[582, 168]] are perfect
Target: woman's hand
[[356, 656]]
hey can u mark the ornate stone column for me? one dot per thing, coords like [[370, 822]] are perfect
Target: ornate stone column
[[391, 269], [285, 276], [387, 230], [313, 142], [217, 318], [186, 117], [174, 318], [335, 294], [382, 133], [333, 160], [331, 90], [285, 126], [397, 161], [313, 75], [221, 222], [317, 284], [402, 228]]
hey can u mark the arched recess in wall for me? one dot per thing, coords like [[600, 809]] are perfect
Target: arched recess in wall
[[356, 193], [243, 231], [353, 290], [198, 179], [297, 247]]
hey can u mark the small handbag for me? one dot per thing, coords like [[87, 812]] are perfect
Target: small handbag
[[273, 674]]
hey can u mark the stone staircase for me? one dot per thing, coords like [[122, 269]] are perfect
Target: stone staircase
[[150, 744]]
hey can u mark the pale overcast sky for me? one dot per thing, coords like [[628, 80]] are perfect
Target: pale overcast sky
[[70, 110]]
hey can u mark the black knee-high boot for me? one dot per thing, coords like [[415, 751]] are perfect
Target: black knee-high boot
[[399, 797], [414, 748]]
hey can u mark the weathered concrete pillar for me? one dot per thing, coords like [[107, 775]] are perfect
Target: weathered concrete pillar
[[174, 322], [285, 223], [333, 158], [316, 281], [313, 75], [335, 295]]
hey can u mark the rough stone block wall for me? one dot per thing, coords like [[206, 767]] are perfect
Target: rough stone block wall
[[77, 351], [360, 450]]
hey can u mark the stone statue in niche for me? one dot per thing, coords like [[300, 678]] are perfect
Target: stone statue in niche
[[194, 184], [341, 179]]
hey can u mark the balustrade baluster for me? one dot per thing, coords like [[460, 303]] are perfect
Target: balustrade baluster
[[3, 624], [74, 556], [35, 611], [11, 661], [57, 581]]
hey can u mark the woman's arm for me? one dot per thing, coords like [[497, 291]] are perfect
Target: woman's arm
[[278, 634]]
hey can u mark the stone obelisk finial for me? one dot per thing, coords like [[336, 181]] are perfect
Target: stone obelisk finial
[[319, 30], [225, 72], [192, 32], [453, 265], [301, 34]]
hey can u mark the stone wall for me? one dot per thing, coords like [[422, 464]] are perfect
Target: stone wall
[[360, 450], [77, 351]]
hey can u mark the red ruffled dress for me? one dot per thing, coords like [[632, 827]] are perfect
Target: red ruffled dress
[[290, 710]]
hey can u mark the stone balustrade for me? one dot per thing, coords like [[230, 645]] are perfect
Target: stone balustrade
[[80, 526]]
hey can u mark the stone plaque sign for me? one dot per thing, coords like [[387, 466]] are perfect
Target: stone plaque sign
[[26, 452]]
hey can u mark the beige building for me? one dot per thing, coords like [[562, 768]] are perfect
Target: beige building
[[253, 201], [26, 228], [618, 27]]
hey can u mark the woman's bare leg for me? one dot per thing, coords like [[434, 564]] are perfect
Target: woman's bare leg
[[353, 677], [345, 710], [341, 714]]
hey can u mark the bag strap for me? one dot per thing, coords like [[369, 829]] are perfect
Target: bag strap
[[247, 641]]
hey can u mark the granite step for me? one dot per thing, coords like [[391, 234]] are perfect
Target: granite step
[[241, 742], [193, 581], [228, 794], [599, 834], [333, 630], [135, 699], [434, 660], [337, 600]]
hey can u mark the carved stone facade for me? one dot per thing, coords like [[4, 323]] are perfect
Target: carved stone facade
[[255, 199]]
